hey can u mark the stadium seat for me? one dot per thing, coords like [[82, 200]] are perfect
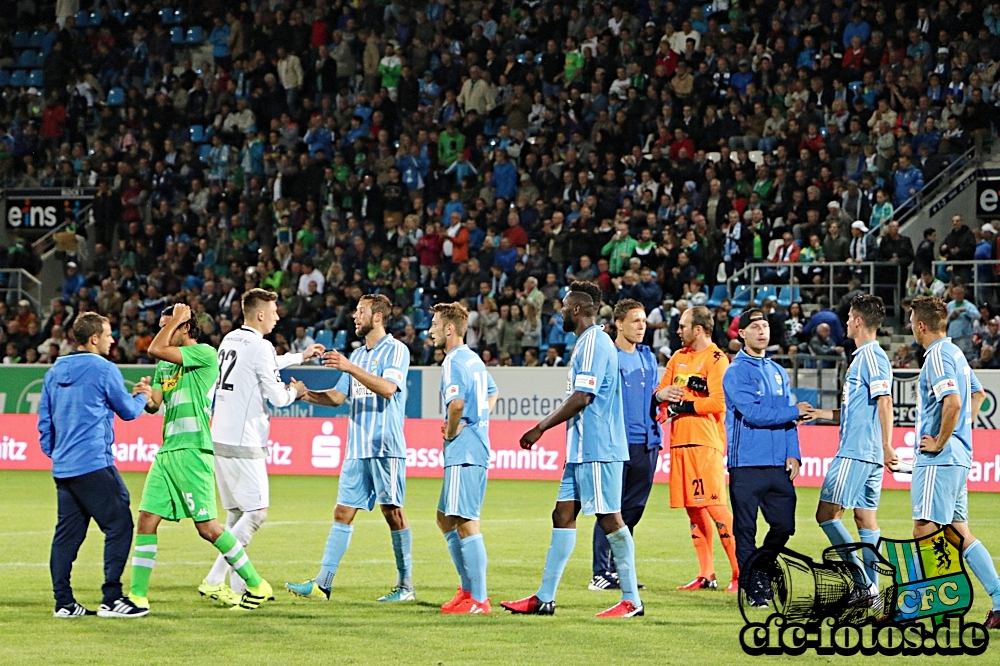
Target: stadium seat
[[177, 35], [22, 39], [116, 97], [714, 156], [311, 332], [324, 337], [195, 35], [197, 133], [82, 19], [788, 295], [4, 78], [757, 156], [418, 298], [203, 151], [96, 18], [167, 16], [421, 321], [36, 78], [37, 40], [28, 60], [741, 296], [766, 291], [19, 79], [120, 15], [719, 292], [340, 341], [735, 312], [563, 292]]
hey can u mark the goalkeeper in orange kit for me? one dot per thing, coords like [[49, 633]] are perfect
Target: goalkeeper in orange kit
[[691, 396]]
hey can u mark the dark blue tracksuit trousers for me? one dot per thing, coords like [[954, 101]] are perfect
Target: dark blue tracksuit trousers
[[770, 490], [637, 482], [100, 495]]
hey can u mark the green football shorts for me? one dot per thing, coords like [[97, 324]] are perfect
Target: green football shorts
[[181, 484]]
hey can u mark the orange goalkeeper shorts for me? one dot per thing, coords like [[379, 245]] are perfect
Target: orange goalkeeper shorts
[[697, 477]]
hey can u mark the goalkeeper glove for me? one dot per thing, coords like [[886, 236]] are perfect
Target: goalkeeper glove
[[697, 384]]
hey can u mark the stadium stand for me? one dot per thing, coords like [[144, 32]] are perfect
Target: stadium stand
[[490, 152]]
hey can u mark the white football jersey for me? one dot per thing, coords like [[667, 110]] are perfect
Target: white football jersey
[[248, 378]]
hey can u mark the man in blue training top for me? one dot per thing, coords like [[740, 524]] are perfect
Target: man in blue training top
[[854, 480], [469, 393], [596, 449], [948, 398], [374, 469], [81, 395]]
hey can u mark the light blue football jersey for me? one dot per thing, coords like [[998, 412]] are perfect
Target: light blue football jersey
[[945, 372], [464, 376], [597, 434], [375, 429], [868, 378]]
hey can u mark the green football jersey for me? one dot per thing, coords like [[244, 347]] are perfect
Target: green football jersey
[[187, 397]]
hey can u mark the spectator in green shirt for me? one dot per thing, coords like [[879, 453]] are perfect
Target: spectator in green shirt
[[451, 143], [619, 249], [573, 63]]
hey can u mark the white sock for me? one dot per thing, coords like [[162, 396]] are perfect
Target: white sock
[[217, 574], [244, 530]]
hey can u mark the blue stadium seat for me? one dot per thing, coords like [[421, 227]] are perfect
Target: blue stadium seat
[[28, 60], [522, 59], [203, 151], [167, 16], [340, 341], [37, 39], [786, 296], [421, 321], [563, 292], [119, 14], [197, 133], [4, 78], [418, 297], [96, 18], [311, 332], [82, 19], [36, 78], [177, 35], [22, 39], [719, 292], [735, 312], [116, 97], [324, 337], [195, 35], [19, 79], [741, 296], [766, 291]]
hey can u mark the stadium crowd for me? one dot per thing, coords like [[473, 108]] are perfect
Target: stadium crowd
[[491, 152]]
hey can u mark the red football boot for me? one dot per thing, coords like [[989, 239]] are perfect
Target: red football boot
[[459, 597], [530, 606], [623, 609]]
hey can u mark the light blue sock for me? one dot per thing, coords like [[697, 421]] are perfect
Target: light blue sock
[[982, 565], [336, 546], [623, 549], [561, 547], [402, 545], [455, 548], [870, 537], [474, 554], [838, 536]]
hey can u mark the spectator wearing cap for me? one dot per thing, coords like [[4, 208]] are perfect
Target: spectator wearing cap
[[74, 280], [763, 457], [986, 250], [863, 247]]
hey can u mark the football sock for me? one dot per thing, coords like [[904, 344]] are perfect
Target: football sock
[[474, 554], [237, 558], [245, 528], [217, 573], [455, 548], [982, 565], [560, 548], [623, 548], [402, 545], [143, 559], [724, 524], [870, 558], [838, 536], [701, 538], [336, 546]]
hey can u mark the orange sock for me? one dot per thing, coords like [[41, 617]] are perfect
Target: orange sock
[[724, 523], [701, 536]]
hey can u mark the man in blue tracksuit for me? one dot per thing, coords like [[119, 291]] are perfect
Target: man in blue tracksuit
[[763, 441], [80, 396], [639, 378]]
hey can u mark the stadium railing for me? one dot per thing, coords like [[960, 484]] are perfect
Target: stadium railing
[[983, 275], [17, 284], [818, 380]]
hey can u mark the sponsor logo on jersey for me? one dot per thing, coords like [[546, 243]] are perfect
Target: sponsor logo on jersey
[[947, 384], [880, 386], [585, 382]]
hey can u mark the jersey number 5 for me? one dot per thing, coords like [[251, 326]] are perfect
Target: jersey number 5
[[224, 370]]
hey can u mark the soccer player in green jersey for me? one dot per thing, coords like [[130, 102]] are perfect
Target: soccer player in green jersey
[[181, 482]]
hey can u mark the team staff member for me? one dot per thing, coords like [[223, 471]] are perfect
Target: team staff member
[[763, 441], [638, 368], [80, 396], [691, 395]]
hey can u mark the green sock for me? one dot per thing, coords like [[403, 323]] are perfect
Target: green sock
[[143, 559], [233, 551]]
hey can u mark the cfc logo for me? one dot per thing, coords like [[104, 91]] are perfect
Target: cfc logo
[[326, 448]]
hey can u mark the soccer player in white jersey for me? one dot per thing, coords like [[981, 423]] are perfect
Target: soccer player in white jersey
[[854, 480], [469, 393], [374, 469], [248, 378], [596, 448], [949, 396]]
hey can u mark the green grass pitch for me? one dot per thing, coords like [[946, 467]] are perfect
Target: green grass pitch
[[679, 628]]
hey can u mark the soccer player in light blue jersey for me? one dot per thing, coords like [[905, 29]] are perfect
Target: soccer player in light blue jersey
[[374, 469], [596, 448], [469, 393], [948, 397], [854, 480]]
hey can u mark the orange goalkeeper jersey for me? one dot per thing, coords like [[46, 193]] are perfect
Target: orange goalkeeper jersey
[[707, 426]]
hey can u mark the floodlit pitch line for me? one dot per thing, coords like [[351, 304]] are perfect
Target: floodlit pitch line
[[279, 523], [160, 564]]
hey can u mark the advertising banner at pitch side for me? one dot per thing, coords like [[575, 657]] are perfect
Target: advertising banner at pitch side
[[316, 446]]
